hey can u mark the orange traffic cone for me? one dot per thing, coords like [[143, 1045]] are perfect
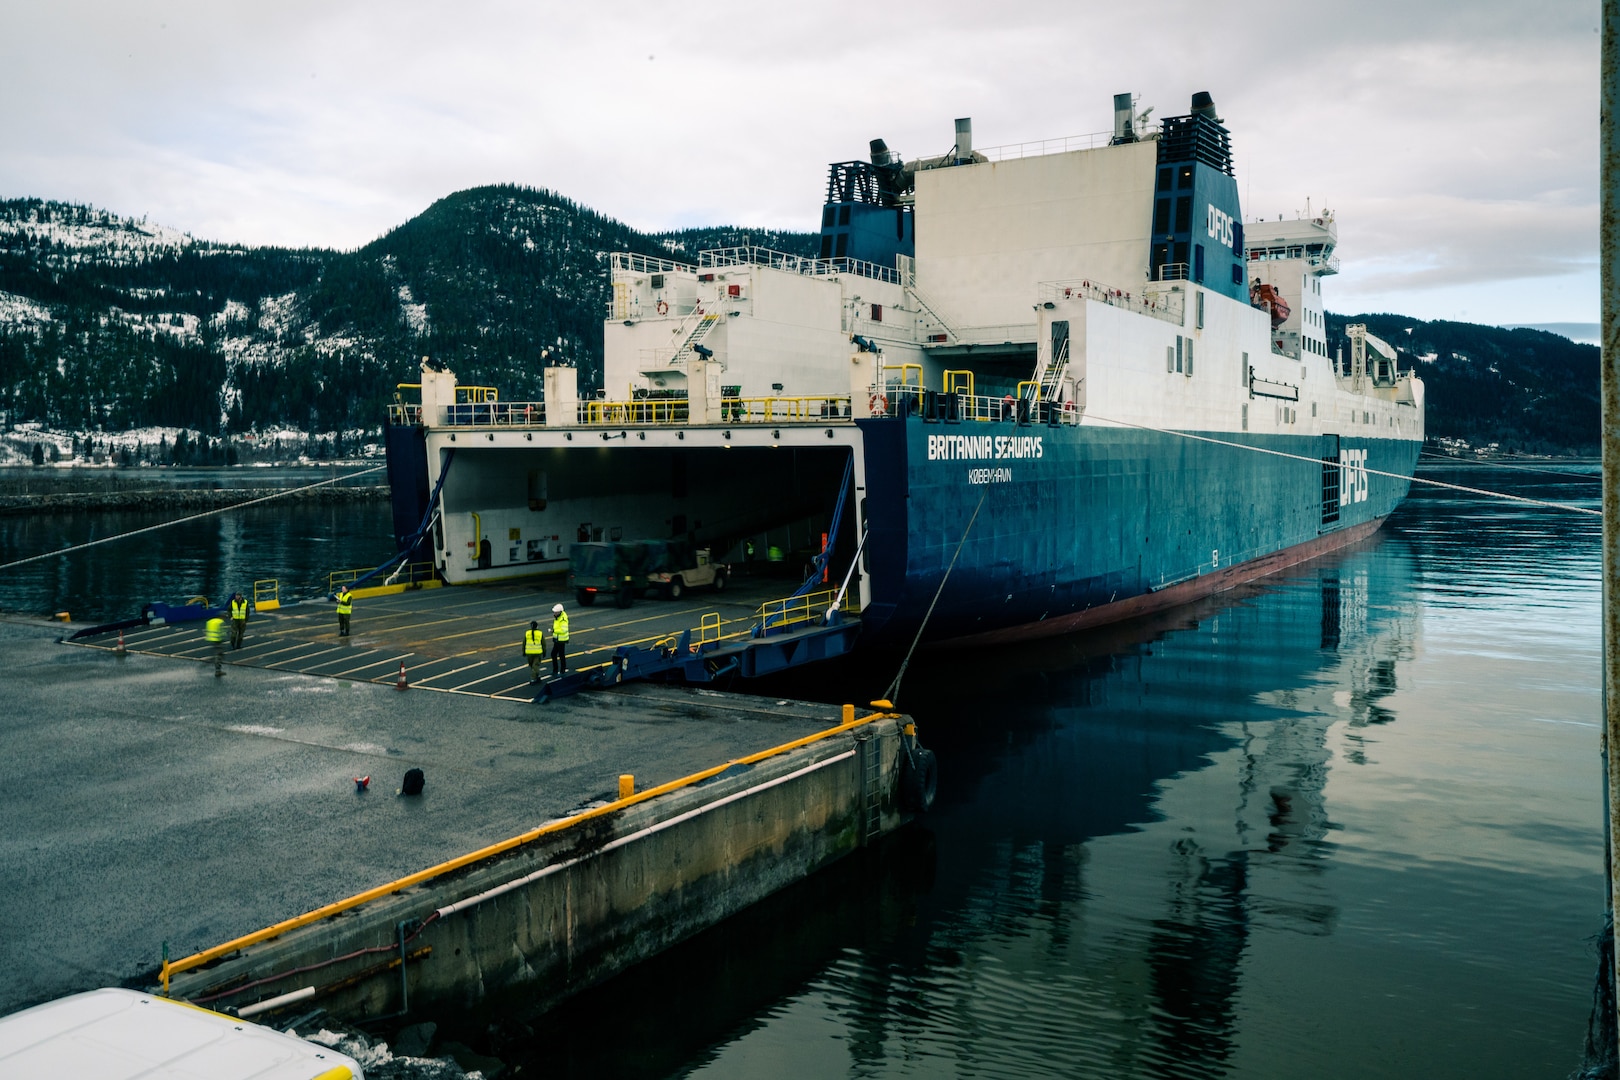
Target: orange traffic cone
[[120, 650], [402, 684]]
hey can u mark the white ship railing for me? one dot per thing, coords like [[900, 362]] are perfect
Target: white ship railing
[[646, 264], [795, 264], [1047, 146], [1168, 304], [895, 400], [490, 414], [1330, 263]]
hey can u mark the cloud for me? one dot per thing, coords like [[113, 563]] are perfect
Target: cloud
[[1453, 139]]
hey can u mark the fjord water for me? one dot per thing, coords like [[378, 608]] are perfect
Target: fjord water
[[1346, 822], [211, 555], [1343, 822]]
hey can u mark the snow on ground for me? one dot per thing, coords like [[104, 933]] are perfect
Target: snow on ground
[[80, 227], [414, 314], [278, 314], [20, 311]]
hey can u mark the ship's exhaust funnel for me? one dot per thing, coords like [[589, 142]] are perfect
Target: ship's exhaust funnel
[[881, 154], [964, 138], [1124, 129], [1204, 105]]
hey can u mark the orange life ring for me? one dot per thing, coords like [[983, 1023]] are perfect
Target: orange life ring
[[1068, 407], [663, 308], [879, 405]]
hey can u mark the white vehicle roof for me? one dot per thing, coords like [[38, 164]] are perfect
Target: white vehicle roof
[[116, 1034]]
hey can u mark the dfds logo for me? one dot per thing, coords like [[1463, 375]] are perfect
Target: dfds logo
[[1220, 225], [1353, 476]]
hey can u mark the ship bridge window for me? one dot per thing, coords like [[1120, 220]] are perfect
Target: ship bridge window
[[877, 312], [1184, 176]]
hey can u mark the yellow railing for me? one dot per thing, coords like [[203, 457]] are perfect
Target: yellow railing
[[911, 375], [793, 610], [266, 594], [344, 577], [647, 411], [738, 410], [174, 967], [780, 410], [709, 627], [415, 574]]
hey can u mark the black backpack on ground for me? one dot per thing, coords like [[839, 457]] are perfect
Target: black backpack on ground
[[413, 782]]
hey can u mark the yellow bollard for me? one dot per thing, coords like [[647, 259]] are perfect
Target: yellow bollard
[[62, 616], [849, 714], [627, 785]]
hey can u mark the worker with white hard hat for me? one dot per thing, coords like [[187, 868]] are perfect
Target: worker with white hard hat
[[559, 641]]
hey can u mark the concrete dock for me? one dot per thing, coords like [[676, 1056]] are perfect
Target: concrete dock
[[148, 803], [463, 640]]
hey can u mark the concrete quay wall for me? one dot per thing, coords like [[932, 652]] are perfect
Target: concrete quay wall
[[580, 900]]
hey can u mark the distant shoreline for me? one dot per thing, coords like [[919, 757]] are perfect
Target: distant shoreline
[[170, 498]]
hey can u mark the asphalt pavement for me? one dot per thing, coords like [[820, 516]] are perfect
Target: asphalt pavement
[[145, 802]]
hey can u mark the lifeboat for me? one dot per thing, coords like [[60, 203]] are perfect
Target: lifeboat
[[1267, 298]]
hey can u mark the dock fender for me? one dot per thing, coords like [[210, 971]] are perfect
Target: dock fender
[[919, 780]]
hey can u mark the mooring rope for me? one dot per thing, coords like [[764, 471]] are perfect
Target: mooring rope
[[1372, 472], [192, 517], [894, 687]]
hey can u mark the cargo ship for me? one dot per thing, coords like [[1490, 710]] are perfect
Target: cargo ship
[[1019, 391]]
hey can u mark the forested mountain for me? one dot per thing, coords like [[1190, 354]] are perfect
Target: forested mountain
[[108, 323], [1527, 390]]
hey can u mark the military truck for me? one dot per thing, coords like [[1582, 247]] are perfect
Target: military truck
[[673, 568], [617, 568]]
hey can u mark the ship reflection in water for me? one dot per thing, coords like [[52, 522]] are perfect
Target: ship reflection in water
[[1344, 822]]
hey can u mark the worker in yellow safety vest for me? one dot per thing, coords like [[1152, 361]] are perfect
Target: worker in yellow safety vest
[[345, 608], [214, 631], [534, 649], [239, 612], [559, 640]]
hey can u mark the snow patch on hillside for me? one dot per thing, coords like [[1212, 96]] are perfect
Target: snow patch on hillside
[[20, 311], [414, 314], [278, 315]]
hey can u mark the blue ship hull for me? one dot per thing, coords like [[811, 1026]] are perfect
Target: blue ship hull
[[1092, 524]]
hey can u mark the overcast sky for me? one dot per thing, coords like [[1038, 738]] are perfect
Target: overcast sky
[[1457, 142]]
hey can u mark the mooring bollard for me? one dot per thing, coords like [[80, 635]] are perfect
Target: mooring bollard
[[627, 785]]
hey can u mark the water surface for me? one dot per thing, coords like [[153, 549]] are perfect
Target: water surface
[[1345, 822]]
